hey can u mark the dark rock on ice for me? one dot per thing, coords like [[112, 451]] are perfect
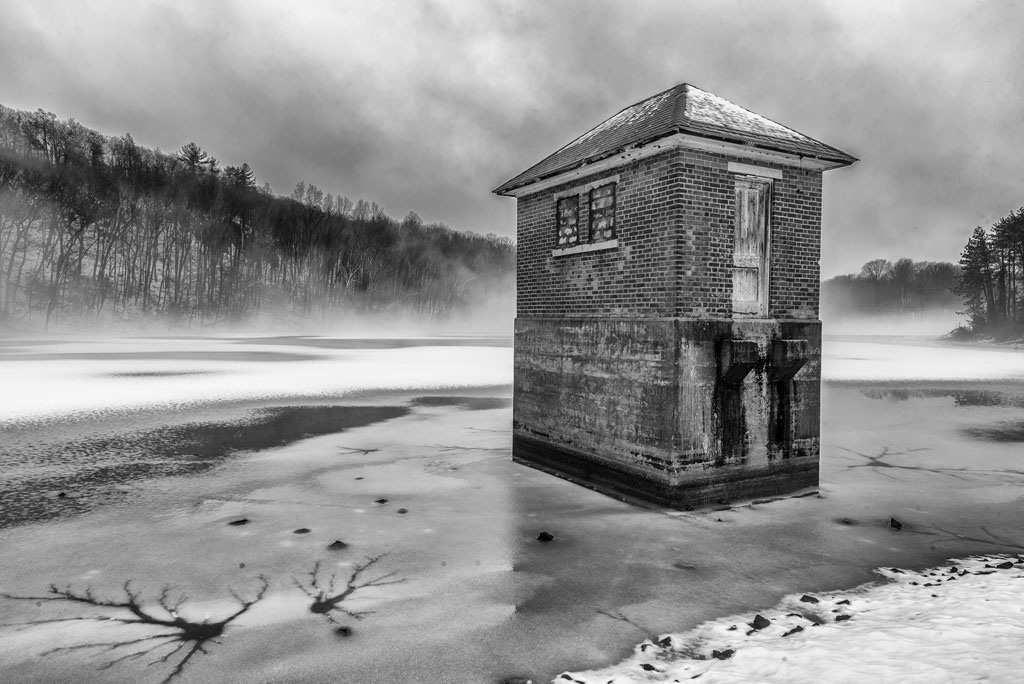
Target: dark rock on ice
[[343, 631], [62, 495], [844, 602], [240, 521], [402, 511], [337, 545], [665, 642], [649, 667], [796, 629], [381, 501], [1005, 566], [545, 537], [841, 618], [760, 622], [895, 524], [302, 530], [808, 599], [723, 655]]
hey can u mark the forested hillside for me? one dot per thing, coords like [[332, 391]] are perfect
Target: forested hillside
[[902, 289], [96, 228]]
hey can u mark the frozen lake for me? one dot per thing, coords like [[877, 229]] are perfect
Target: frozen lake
[[129, 460]]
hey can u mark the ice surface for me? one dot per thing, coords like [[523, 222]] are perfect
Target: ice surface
[[482, 600]]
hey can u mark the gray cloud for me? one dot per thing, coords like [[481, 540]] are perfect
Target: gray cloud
[[427, 106]]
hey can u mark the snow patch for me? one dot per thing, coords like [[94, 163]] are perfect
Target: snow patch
[[960, 622]]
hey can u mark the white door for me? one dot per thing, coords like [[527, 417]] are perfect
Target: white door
[[750, 253]]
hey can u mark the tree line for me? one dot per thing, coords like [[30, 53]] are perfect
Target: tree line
[[904, 288], [100, 228], [992, 277]]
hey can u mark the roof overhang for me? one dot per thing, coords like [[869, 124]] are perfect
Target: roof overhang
[[674, 141]]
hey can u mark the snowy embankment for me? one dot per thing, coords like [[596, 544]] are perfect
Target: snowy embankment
[[956, 623]]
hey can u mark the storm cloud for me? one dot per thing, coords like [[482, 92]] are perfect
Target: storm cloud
[[427, 106]]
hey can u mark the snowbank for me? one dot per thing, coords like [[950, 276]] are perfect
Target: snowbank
[[956, 623]]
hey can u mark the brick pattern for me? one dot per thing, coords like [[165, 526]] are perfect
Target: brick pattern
[[635, 279], [674, 224]]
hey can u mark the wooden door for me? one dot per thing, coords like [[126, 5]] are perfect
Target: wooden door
[[750, 252]]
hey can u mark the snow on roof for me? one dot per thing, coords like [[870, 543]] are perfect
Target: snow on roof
[[683, 108]]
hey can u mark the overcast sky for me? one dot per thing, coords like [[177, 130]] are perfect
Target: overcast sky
[[427, 106]]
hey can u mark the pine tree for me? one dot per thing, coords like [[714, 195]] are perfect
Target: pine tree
[[976, 280]]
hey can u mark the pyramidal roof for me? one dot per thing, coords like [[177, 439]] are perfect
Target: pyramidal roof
[[681, 109]]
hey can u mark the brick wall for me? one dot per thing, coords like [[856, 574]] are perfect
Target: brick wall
[[674, 222]]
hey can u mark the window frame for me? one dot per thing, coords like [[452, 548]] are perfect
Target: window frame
[[606, 212], [585, 242], [573, 239]]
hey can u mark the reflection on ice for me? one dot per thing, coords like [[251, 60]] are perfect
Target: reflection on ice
[[178, 639], [331, 597]]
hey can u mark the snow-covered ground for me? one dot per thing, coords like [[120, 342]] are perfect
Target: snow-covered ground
[[97, 377], [961, 622], [400, 450]]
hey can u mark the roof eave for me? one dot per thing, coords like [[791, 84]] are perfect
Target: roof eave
[[821, 162]]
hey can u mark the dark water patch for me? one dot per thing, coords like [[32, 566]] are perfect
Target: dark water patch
[[219, 356], [1000, 432], [157, 374], [102, 469], [379, 343], [961, 396], [468, 403]]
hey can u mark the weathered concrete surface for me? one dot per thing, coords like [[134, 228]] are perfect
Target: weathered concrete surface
[[677, 412]]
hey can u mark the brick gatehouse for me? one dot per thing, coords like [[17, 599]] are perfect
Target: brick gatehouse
[[667, 341]]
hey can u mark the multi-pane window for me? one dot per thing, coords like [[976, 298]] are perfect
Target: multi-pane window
[[602, 213], [568, 221]]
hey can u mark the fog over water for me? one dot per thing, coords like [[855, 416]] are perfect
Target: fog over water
[[137, 459]]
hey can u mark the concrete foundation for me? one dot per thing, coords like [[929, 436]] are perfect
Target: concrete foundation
[[677, 412]]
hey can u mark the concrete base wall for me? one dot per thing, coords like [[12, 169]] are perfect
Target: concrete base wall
[[677, 412]]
